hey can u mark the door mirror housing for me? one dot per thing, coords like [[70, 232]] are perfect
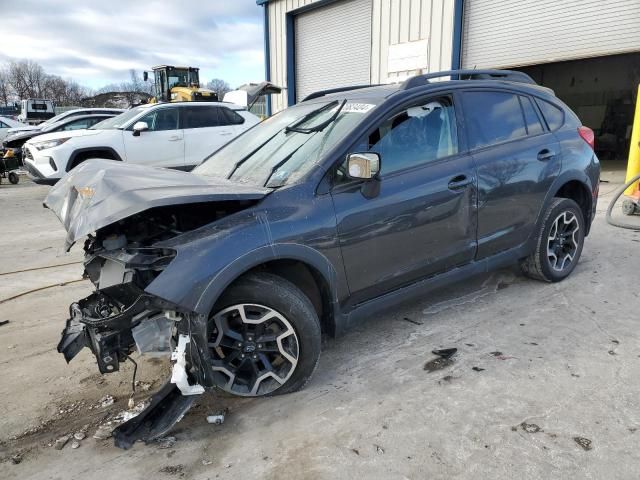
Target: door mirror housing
[[363, 166], [145, 76], [140, 127]]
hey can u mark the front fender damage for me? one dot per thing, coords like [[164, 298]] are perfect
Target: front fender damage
[[128, 214]]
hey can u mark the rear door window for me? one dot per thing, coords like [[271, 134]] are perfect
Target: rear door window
[[553, 115], [201, 117], [492, 117], [79, 124], [534, 126]]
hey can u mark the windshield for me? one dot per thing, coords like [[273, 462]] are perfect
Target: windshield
[[286, 146], [119, 121]]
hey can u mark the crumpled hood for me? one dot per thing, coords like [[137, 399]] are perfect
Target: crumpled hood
[[98, 193]]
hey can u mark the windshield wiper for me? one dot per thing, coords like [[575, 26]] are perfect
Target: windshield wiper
[[277, 166], [310, 115], [251, 153]]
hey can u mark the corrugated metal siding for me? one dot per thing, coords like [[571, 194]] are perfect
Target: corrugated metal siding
[[392, 22], [400, 21], [333, 46], [504, 33]]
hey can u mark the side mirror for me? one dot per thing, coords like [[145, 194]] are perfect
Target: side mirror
[[145, 76], [139, 127], [363, 166]]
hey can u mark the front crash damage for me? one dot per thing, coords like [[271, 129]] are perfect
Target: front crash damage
[[123, 256]]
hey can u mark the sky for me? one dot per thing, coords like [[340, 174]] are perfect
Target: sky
[[97, 42]]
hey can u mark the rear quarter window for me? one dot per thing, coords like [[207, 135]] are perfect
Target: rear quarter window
[[231, 117], [534, 126], [553, 115]]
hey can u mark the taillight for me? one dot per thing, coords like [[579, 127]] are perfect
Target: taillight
[[588, 136]]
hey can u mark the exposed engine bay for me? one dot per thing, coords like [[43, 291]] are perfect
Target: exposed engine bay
[[120, 318]]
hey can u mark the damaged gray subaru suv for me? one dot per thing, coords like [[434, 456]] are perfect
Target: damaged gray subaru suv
[[345, 204]]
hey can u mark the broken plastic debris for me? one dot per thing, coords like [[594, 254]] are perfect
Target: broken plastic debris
[[206, 462], [79, 435], [179, 372], [445, 352], [217, 419], [75, 444]]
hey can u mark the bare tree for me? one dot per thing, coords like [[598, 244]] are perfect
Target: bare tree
[[6, 93], [219, 86]]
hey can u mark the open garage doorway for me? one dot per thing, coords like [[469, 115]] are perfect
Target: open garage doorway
[[602, 91]]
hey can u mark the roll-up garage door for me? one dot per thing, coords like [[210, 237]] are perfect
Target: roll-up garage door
[[333, 46], [505, 33]]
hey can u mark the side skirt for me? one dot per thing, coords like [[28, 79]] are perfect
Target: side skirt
[[416, 290]]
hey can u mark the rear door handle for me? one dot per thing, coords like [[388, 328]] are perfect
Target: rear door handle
[[546, 154], [226, 134], [175, 138], [459, 182]]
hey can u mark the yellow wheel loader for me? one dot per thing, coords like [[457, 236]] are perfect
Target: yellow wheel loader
[[179, 84]]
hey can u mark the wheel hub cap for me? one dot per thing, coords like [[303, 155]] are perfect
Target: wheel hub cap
[[254, 349]]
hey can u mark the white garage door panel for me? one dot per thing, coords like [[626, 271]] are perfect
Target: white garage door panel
[[333, 47], [501, 33]]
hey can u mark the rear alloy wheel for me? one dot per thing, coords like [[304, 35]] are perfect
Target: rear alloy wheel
[[562, 243], [265, 337], [559, 242]]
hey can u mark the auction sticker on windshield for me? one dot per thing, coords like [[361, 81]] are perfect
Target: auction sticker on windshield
[[357, 107]]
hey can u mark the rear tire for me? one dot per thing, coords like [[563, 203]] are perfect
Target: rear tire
[[264, 337], [559, 242]]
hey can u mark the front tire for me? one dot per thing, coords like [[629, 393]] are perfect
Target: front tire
[[558, 244], [264, 337]]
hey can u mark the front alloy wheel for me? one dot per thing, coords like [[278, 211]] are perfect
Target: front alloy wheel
[[264, 337], [255, 347]]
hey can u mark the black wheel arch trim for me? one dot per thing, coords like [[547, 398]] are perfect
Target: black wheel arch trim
[[79, 151], [306, 255], [560, 181]]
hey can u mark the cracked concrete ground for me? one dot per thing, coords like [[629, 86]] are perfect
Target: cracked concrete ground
[[544, 384]]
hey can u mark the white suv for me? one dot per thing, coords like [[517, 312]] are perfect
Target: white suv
[[174, 135]]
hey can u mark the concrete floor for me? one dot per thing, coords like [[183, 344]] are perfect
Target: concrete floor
[[559, 363]]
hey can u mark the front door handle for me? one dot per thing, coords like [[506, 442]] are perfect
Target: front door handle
[[175, 138], [546, 154], [225, 134], [459, 182]]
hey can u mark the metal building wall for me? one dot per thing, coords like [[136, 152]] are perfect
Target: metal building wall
[[504, 33], [394, 22]]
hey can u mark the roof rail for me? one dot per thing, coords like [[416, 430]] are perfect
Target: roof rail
[[322, 93], [508, 75]]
